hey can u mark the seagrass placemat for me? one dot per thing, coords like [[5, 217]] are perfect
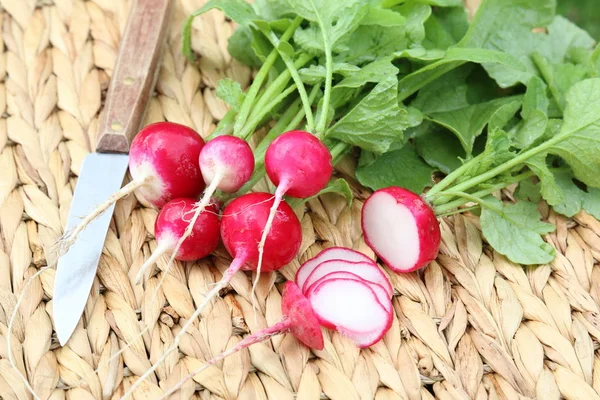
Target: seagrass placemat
[[471, 325]]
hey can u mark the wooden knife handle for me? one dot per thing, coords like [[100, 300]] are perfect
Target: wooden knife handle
[[134, 75]]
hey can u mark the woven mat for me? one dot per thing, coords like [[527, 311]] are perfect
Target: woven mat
[[471, 325]]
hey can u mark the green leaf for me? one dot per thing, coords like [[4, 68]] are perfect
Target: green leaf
[[527, 190], [377, 120], [496, 152], [240, 47], [462, 102], [383, 17], [535, 97], [331, 20], [576, 199], [530, 130], [549, 189], [316, 73], [409, 170], [336, 186], [515, 230], [440, 149], [371, 73], [503, 115], [578, 142], [230, 92], [455, 57], [446, 27]]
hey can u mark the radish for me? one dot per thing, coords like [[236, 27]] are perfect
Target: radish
[[226, 163], [400, 228], [300, 165], [163, 162], [330, 253], [368, 271], [380, 292], [170, 225], [241, 225], [352, 307]]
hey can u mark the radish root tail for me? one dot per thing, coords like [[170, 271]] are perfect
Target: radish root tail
[[158, 253], [279, 193], [70, 237], [233, 268], [248, 341]]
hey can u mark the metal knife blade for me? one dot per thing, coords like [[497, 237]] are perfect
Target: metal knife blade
[[102, 174]]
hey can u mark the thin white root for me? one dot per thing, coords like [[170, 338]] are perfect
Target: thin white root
[[200, 206], [279, 193], [248, 341], [11, 358], [158, 253], [233, 268], [70, 237]]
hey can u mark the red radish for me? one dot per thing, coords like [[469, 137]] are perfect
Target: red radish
[[241, 225], [163, 162], [226, 163], [298, 318], [330, 253], [380, 292], [353, 308], [170, 225], [300, 165], [400, 228], [368, 271]]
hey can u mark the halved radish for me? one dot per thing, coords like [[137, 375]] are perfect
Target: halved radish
[[331, 253], [380, 292], [353, 308], [400, 228], [367, 270]]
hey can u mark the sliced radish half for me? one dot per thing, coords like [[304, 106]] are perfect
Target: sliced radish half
[[352, 307], [380, 292], [366, 270], [304, 324], [400, 228], [331, 253]]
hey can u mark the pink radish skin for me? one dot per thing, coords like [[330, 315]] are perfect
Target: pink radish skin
[[368, 271], [300, 165], [401, 229], [298, 319], [242, 223], [335, 253], [163, 162], [353, 308], [226, 163], [170, 224], [380, 292], [167, 154]]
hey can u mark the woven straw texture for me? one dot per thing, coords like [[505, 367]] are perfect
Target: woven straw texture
[[470, 326]]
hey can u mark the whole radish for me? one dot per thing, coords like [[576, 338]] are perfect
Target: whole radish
[[169, 227], [400, 228], [242, 224], [226, 163], [300, 165], [163, 162]]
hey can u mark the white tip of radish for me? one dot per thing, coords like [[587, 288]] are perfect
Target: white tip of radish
[[401, 229], [331, 253], [228, 159], [366, 270], [352, 308]]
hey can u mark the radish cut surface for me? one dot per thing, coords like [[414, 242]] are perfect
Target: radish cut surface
[[304, 324], [401, 229], [331, 253], [380, 292], [352, 308], [369, 271]]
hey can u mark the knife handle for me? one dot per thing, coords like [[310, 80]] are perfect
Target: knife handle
[[134, 75]]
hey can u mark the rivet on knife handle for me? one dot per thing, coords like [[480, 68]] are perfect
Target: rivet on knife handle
[[135, 74]]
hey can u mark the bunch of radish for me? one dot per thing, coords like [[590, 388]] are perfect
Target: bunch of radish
[[339, 289]]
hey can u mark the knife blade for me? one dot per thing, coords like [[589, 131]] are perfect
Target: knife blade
[[103, 171]]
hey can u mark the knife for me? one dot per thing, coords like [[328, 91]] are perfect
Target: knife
[[103, 171]]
